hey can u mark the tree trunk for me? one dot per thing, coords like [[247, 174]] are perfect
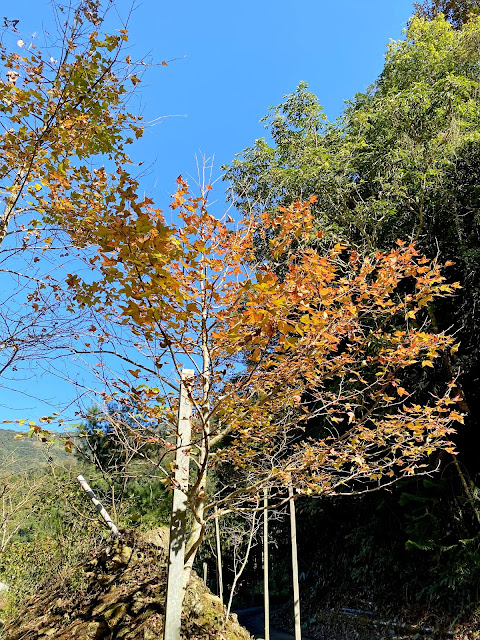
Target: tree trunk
[[199, 489]]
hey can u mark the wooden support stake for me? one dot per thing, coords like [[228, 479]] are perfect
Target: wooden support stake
[[100, 508], [219, 557], [178, 522], [296, 590], [266, 592]]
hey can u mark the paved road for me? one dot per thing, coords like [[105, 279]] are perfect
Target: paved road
[[253, 620]]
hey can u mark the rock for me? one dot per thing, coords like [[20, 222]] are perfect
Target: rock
[[158, 537]]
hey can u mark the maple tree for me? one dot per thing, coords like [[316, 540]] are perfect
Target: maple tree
[[297, 375], [65, 127], [58, 114]]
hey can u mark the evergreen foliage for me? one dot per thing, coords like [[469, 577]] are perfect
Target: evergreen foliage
[[457, 12]]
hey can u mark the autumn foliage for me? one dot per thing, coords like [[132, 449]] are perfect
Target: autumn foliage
[[61, 111], [298, 362], [63, 104], [307, 354], [298, 358]]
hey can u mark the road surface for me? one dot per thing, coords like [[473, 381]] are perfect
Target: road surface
[[252, 619]]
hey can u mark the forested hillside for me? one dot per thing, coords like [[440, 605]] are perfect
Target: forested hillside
[[291, 382], [22, 454]]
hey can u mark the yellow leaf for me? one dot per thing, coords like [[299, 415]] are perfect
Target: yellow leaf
[[427, 363], [454, 415]]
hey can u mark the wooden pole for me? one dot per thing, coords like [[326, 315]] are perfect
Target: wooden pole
[[100, 508], [205, 570], [266, 591], [219, 557], [296, 590], [178, 522]]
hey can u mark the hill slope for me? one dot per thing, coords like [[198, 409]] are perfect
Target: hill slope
[[120, 593], [27, 453]]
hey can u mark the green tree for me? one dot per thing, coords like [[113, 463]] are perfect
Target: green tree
[[457, 12], [306, 156], [116, 445]]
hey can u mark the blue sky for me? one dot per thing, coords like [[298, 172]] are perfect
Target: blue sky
[[240, 58], [229, 62]]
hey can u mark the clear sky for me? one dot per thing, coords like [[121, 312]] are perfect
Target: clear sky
[[242, 57], [234, 60], [230, 61]]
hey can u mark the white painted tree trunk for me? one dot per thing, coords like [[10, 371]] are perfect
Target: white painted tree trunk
[[296, 590], [178, 522]]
